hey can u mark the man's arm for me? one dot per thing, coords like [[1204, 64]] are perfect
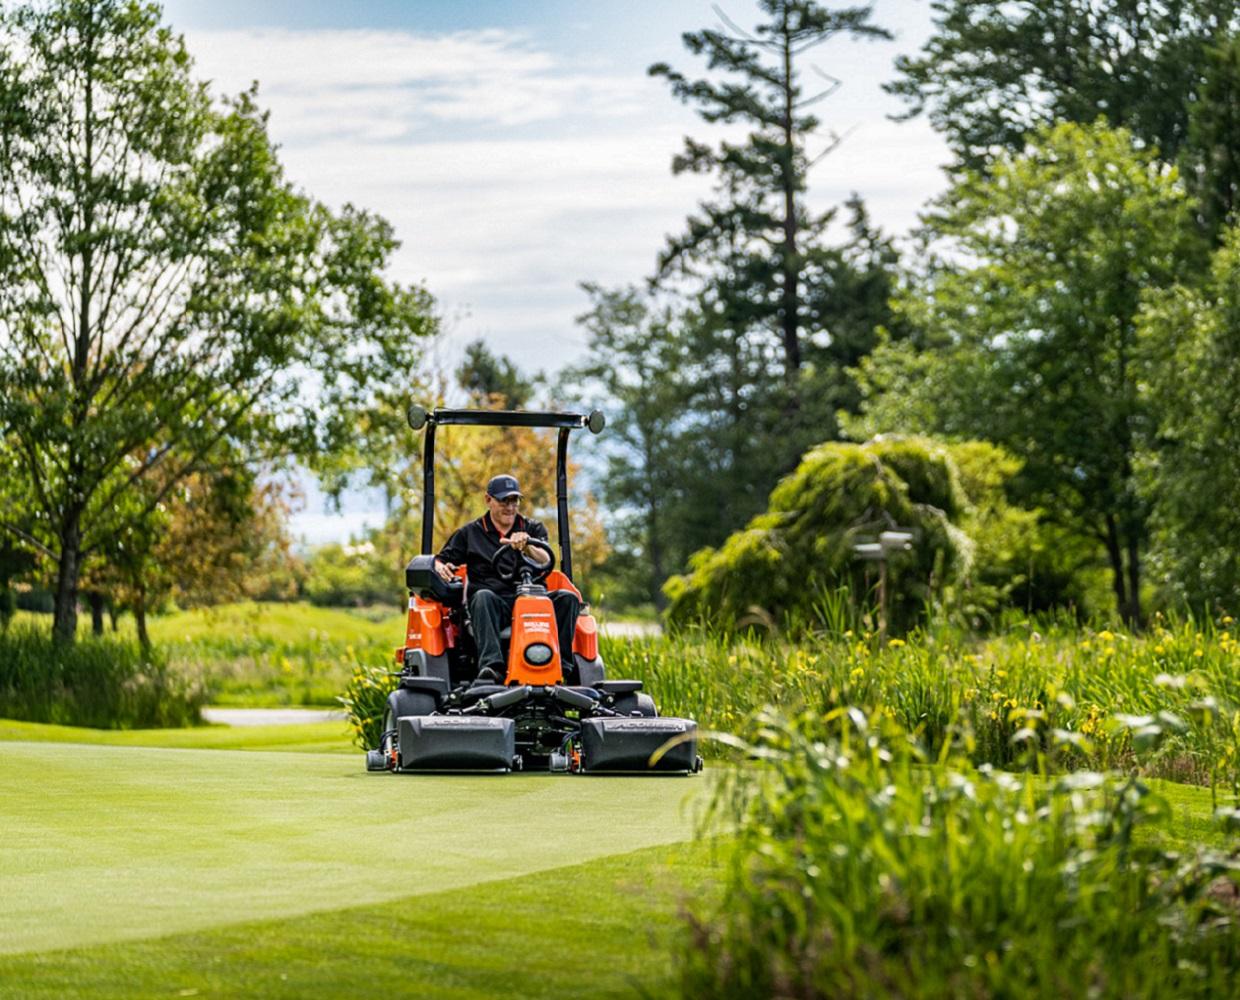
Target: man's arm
[[453, 553], [519, 538]]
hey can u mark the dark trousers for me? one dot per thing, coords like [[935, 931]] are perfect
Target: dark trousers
[[490, 613]]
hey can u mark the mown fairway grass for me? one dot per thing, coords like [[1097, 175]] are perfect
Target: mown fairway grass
[[137, 864], [107, 843], [601, 929]]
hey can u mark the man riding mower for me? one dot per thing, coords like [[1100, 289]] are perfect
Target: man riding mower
[[476, 695]]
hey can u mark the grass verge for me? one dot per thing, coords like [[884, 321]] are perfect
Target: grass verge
[[113, 843], [95, 682], [602, 929]]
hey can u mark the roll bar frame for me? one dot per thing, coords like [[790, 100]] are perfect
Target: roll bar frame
[[564, 421]]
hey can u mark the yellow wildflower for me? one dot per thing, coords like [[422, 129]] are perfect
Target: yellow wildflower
[[895, 643]]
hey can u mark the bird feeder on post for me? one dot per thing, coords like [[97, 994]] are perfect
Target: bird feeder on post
[[892, 540]]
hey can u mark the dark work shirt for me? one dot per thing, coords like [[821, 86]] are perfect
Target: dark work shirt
[[476, 542]]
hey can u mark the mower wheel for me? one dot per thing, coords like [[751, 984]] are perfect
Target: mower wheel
[[632, 702], [403, 702]]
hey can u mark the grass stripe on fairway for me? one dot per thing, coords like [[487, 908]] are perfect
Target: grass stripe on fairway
[[105, 843], [595, 930]]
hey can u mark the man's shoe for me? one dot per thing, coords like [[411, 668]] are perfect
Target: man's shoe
[[486, 677]]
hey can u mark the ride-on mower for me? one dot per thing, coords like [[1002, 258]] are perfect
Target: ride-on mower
[[556, 710]]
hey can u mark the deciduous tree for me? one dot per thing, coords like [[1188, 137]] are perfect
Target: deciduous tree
[[994, 71], [167, 297], [1034, 319], [1191, 339]]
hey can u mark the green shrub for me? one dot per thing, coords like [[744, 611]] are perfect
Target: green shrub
[[347, 576], [100, 683], [775, 569], [859, 870]]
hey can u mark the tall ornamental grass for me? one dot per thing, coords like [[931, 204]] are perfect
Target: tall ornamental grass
[[100, 683], [1089, 684], [861, 868]]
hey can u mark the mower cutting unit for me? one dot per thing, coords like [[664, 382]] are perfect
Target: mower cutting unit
[[556, 710]]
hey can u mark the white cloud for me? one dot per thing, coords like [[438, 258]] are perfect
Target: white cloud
[[511, 172], [379, 85]]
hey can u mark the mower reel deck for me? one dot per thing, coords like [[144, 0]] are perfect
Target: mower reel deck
[[556, 711], [579, 730]]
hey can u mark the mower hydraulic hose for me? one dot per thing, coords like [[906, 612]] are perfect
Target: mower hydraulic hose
[[501, 700], [561, 720], [574, 699]]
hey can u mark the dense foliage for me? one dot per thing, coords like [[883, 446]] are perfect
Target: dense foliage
[[778, 568], [992, 72], [101, 683], [1193, 471], [859, 871], [1032, 328]]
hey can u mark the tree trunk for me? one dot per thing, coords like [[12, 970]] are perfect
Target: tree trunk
[[112, 615], [1133, 613], [654, 547], [1115, 555], [790, 266], [96, 612], [139, 617], [64, 617]]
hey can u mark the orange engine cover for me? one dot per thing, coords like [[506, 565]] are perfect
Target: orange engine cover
[[533, 623], [425, 627]]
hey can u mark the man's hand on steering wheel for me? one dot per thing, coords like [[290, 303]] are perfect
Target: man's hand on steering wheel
[[536, 554], [520, 540]]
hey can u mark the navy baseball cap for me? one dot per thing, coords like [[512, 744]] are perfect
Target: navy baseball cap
[[503, 487]]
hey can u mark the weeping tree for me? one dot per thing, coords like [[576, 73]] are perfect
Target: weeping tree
[[167, 298], [777, 569]]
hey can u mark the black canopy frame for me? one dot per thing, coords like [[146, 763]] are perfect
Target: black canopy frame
[[566, 422]]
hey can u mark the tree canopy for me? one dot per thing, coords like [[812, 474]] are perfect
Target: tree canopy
[[167, 296], [993, 72], [1033, 322]]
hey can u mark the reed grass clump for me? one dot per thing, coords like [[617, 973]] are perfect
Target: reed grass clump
[[100, 683], [1088, 683], [862, 867]]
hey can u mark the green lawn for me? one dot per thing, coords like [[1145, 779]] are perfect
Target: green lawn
[[158, 863], [107, 843], [601, 929]]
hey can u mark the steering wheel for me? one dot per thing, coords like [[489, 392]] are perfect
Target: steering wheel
[[507, 569]]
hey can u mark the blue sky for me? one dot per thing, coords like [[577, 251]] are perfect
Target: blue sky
[[519, 147]]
